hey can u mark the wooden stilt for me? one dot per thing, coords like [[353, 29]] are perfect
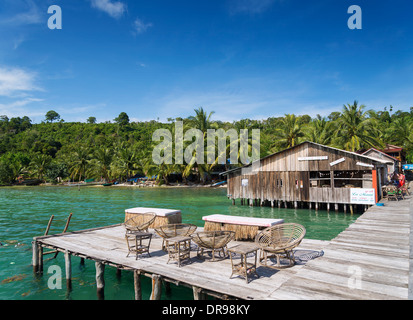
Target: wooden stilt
[[295, 205], [35, 259], [336, 207], [233, 202], [328, 206], [351, 208], [309, 205], [279, 204], [316, 206], [100, 280], [137, 284], [198, 294], [345, 208], [40, 262], [156, 287], [68, 267]]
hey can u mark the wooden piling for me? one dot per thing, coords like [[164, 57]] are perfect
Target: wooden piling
[[100, 280], [35, 259], [68, 267], [198, 294], [156, 287], [137, 284], [40, 261]]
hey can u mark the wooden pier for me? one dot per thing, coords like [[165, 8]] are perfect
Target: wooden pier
[[369, 260]]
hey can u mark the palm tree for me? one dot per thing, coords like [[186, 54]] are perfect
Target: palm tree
[[320, 130], [290, 132], [201, 121], [102, 161], [39, 164], [126, 162], [400, 132], [355, 129], [79, 163]]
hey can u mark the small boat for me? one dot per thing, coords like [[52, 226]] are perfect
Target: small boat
[[218, 183], [107, 184]]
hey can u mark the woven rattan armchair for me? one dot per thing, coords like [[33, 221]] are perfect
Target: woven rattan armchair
[[279, 241], [139, 223], [212, 241], [174, 230]]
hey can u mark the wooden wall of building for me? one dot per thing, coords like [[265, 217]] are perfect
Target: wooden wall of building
[[285, 177]]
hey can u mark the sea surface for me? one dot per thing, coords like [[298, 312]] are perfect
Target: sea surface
[[25, 212]]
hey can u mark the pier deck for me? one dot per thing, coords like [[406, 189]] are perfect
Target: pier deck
[[369, 260]]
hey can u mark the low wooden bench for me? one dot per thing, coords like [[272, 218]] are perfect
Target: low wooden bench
[[245, 228]]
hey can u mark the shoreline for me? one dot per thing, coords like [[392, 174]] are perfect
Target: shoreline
[[116, 186]]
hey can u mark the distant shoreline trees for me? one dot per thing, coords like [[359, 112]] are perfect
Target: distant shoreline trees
[[54, 151]]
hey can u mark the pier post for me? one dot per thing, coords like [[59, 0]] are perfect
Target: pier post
[[345, 208], [40, 261], [68, 267], [336, 207], [35, 262], [233, 202], [328, 206], [156, 287], [137, 284], [100, 280], [198, 294], [316, 206]]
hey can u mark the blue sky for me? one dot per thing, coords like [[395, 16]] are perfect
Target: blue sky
[[240, 58]]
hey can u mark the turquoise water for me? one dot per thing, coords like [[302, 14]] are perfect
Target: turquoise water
[[25, 211]]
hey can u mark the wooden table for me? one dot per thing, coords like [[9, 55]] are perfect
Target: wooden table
[[138, 242], [245, 228], [244, 268], [179, 248]]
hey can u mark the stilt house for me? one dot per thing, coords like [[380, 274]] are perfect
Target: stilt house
[[309, 173]]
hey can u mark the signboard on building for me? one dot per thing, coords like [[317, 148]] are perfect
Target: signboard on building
[[362, 196], [408, 167]]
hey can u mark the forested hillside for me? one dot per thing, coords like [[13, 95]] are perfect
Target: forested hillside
[[119, 149]]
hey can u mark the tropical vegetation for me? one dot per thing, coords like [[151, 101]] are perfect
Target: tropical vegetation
[[55, 150]]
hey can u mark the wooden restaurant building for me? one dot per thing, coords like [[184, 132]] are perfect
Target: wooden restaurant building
[[309, 174]]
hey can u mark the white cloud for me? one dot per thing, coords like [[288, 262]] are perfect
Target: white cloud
[[16, 81], [32, 15], [140, 26], [114, 9], [18, 108]]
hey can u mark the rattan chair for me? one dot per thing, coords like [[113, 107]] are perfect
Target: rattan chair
[[279, 241], [213, 241], [139, 223], [174, 230]]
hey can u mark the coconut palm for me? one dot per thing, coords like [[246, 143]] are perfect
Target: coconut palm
[[355, 129], [202, 120], [79, 163], [289, 132], [100, 164], [320, 130], [39, 164]]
